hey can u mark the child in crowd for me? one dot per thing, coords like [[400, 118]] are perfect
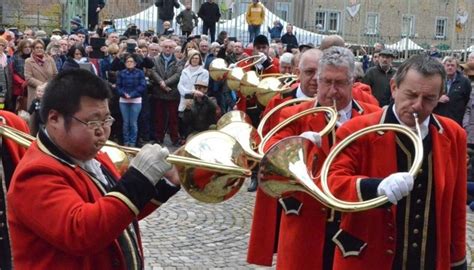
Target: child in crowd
[[34, 110]]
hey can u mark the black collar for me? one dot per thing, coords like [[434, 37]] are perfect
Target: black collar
[[47, 146]]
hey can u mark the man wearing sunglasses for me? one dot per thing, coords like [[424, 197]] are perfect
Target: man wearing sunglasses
[[68, 206]]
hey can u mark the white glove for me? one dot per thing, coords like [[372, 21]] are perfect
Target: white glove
[[233, 65], [396, 186], [313, 136], [151, 162]]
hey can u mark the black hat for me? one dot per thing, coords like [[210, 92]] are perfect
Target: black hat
[[260, 40]]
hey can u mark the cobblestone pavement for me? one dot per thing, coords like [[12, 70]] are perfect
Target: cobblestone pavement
[[187, 234]]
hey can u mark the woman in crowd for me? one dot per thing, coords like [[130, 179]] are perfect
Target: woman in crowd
[[39, 69], [5, 76], [77, 58], [23, 51], [193, 71], [131, 84]]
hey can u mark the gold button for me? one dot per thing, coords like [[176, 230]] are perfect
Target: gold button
[[415, 245], [390, 239], [390, 225], [389, 251], [418, 201], [389, 210], [417, 217], [416, 231], [419, 185], [2, 225], [323, 209], [420, 171]]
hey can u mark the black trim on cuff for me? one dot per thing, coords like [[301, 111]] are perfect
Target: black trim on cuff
[[368, 188], [136, 187], [164, 191]]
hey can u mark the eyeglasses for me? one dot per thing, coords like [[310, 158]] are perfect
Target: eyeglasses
[[96, 124], [337, 83]]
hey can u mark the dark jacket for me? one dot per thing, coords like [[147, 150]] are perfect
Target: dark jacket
[[71, 64], [275, 31], [131, 82], [459, 95], [166, 9], [209, 13], [185, 18], [379, 81], [201, 115], [170, 76], [290, 40]]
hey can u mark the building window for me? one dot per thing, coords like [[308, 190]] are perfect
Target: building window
[[441, 24], [321, 20], [333, 24], [282, 10], [408, 25], [328, 21], [372, 24]]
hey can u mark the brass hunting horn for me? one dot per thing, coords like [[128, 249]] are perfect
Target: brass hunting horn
[[212, 166]]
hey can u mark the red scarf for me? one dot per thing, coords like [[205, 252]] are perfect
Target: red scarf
[[38, 59]]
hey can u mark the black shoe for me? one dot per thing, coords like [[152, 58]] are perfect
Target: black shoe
[[253, 185]]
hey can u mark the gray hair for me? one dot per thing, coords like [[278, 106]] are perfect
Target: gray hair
[[337, 57], [471, 56], [425, 65], [286, 58], [450, 59]]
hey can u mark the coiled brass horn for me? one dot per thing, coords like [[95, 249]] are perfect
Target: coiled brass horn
[[237, 73], [233, 116], [381, 200], [212, 166], [283, 169]]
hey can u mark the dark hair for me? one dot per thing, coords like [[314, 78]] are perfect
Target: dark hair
[[73, 49], [425, 65], [63, 93]]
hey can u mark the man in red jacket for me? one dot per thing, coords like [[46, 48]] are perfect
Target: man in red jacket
[[424, 225], [10, 154], [68, 207], [307, 226]]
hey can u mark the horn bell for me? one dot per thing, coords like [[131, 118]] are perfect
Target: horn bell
[[218, 69]]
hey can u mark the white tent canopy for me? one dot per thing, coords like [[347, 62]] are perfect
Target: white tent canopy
[[236, 27], [405, 44]]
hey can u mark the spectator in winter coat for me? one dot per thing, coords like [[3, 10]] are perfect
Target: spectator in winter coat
[[187, 19], [275, 31], [131, 84], [201, 110], [165, 12], [255, 16], [210, 15]]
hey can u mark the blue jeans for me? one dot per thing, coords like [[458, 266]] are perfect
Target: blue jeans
[[130, 112], [254, 31]]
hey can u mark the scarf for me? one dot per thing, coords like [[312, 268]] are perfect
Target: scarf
[[38, 59]]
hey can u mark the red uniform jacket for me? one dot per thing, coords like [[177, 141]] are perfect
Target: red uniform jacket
[[10, 158], [263, 232], [301, 239], [60, 218], [243, 102], [374, 155], [363, 92]]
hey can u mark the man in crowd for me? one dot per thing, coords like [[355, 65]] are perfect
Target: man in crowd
[[165, 76], [85, 213], [210, 15], [255, 16], [165, 13], [457, 92], [378, 77], [289, 39]]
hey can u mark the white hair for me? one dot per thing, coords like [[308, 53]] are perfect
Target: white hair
[[286, 58]]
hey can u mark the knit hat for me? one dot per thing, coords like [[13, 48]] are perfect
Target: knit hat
[[76, 20]]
